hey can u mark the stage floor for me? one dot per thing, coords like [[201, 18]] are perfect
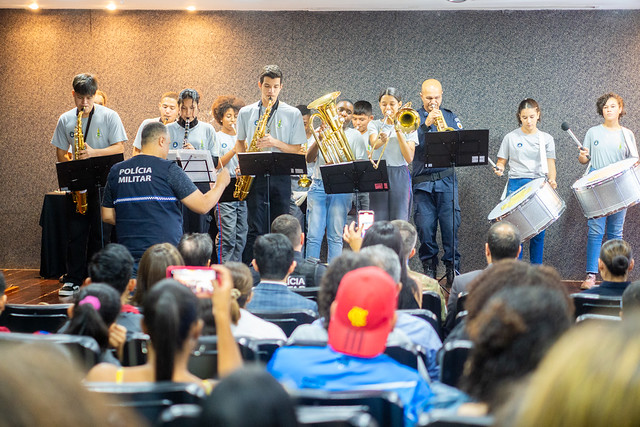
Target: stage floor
[[30, 288]]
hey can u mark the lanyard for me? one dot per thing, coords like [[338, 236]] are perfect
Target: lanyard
[[86, 131]]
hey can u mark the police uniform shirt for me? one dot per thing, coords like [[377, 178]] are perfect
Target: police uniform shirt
[[523, 152], [285, 124], [106, 129], [137, 142], [227, 143], [392, 153], [202, 136]]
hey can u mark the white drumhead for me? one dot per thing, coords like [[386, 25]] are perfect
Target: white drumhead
[[514, 200], [602, 174]]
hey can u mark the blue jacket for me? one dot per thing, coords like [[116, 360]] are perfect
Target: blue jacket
[[277, 297]]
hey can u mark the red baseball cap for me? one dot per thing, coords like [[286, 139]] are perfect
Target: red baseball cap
[[363, 317]]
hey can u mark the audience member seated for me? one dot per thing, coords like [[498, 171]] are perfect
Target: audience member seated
[[424, 282], [248, 325], [42, 387], [308, 272], [630, 300], [273, 259], [94, 315], [503, 242], [510, 336], [615, 264], [113, 265], [196, 249], [153, 268], [249, 397], [362, 316], [171, 320], [590, 377], [3, 299]]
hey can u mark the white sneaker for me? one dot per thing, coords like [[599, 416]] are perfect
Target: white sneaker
[[68, 290], [589, 282]]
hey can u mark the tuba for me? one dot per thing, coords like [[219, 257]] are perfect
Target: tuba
[[79, 197], [332, 142], [243, 182], [406, 120]]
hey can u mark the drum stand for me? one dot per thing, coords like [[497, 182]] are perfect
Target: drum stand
[[451, 149]]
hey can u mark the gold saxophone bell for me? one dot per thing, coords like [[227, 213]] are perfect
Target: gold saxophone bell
[[406, 120]]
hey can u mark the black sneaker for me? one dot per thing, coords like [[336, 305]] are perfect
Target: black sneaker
[[429, 269], [450, 274], [68, 290]]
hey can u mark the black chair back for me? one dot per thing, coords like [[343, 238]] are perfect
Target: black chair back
[[181, 415], [149, 400], [462, 298], [309, 293], [409, 355], [427, 315], [444, 418], [597, 317], [266, 348], [384, 406], [596, 304], [29, 318], [203, 362], [460, 317], [432, 301], [288, 320], [455, 354], [135, 349], [84, 350], [334, 416]]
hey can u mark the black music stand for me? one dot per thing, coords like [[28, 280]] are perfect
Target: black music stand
[[84, 174], [355, 177], [451, 149], [227, 194], [267, 163]]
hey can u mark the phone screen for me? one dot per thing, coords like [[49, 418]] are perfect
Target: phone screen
[[365, 220], [198, 279]]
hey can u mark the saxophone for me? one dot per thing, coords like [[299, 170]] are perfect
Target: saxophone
[[243, 183], [79, 197]]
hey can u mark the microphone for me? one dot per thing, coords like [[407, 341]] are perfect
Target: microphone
[[565, 127]]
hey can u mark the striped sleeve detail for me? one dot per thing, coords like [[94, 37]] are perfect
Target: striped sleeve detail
[[145, 199]]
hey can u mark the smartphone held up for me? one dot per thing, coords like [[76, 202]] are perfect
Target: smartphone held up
[[199, 279]]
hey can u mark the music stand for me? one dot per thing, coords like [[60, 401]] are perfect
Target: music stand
[[354, 177], [227, 194], [451, 149], [267, 163], [197, 164], [84, 174]]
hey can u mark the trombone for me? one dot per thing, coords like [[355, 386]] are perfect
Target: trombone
[[407, 120]]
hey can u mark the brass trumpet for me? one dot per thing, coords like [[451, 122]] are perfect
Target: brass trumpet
[[332, 142], [441, 124], [406, 120]]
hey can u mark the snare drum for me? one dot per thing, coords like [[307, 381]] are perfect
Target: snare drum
[[610, 189], [532, 208]]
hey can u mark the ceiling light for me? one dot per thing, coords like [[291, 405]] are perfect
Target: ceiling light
[[191, 8], [34, 6], [111, 6], [456, 1]]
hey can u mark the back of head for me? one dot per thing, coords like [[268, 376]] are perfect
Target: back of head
[[631, 298], [616, 254], [384, 233], [363, 312], [504, 241], [85, 84], [249, 397], [196, 249], [511, 274], [511, 334], [41, 386], [273, 254], [385, 258], [242, 281], [289, 226], [153, 267], [170, 310], [590, 377], [151, 132], [341, 265], [112, 265], [95, 309], [409, 236]]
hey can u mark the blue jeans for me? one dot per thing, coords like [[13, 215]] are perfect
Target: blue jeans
[[325, 211], [536, 243], [614, 224]]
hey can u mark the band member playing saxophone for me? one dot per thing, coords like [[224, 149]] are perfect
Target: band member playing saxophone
[[103, 134], [284, 132], [434, 189]]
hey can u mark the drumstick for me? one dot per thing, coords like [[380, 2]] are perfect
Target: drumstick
[[492, 163], [565, 127]]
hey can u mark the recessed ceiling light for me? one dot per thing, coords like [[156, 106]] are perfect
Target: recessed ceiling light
[[111, 6], [34, 6], [191, 8], [456, 1]]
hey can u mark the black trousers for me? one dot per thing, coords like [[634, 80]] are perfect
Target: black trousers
[[279, 196]]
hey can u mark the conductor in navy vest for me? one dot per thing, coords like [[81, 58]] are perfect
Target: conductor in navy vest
[[143, 195]]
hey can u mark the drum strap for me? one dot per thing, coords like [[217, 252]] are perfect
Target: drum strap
[[543, 154]]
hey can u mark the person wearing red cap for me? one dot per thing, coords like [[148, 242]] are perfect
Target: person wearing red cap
[[362, 316]]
